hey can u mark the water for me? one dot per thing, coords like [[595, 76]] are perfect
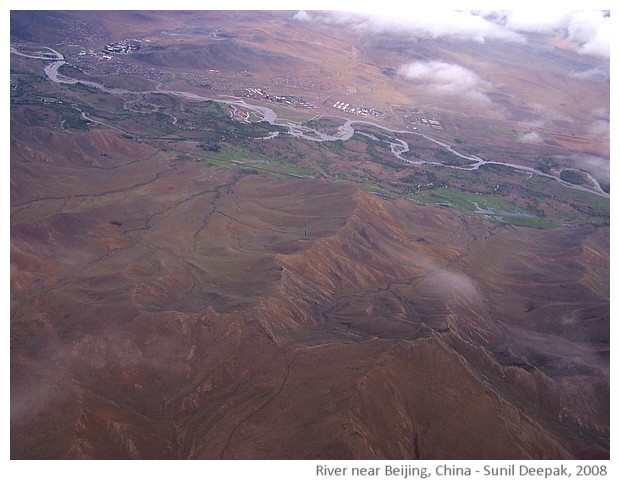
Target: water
[[398, 146]]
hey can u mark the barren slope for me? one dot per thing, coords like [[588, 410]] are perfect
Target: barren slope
[[165, 309]]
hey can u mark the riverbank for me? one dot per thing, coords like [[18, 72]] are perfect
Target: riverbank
[[398, 146]]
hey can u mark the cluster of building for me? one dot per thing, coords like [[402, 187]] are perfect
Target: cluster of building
[[291, 100], [255, 93], [98, 62], [123, 46], [433, 123], [415, 116], [357, 110]]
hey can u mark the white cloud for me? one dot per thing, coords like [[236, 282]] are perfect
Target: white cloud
[[597, 166], [531, 137], [447, 79], [426, 22], [302, 16], [588, 31], [599, 128], [597, 74], [540, 20]]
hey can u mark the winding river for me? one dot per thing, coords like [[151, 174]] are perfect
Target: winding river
[[397, 146]]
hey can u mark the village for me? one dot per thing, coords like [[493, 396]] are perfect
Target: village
[[109, 60], [357, 110], [105, 62], [124, 46], [290, 100], [436, 124]]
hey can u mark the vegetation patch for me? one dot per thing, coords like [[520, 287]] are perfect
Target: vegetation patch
[[575, 177], [467, 201], [231, 156], [327, 125]]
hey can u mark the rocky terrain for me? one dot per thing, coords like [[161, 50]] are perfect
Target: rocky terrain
[[164, 309], [168, 308]]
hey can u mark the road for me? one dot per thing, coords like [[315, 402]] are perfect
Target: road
[[398, 146]]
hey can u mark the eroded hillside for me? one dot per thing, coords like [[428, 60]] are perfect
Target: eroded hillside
[[162, 308], [284, 235]]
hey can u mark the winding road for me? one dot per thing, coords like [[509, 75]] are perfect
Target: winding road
[[397, 145]]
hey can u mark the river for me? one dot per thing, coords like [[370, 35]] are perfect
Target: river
[[397, 146]]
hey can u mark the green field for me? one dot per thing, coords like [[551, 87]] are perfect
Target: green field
[[206, 131], [236, 157]]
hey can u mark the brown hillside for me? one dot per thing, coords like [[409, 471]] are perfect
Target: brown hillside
[[164, 309]]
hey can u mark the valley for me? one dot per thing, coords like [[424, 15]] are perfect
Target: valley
[[201, 272]]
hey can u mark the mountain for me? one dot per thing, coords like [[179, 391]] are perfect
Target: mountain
[[162, 309], [190, 281]]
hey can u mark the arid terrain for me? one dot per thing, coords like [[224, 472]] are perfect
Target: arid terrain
[[209, 260]]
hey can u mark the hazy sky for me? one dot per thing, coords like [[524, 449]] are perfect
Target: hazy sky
[[578, 21], [587, 31]]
